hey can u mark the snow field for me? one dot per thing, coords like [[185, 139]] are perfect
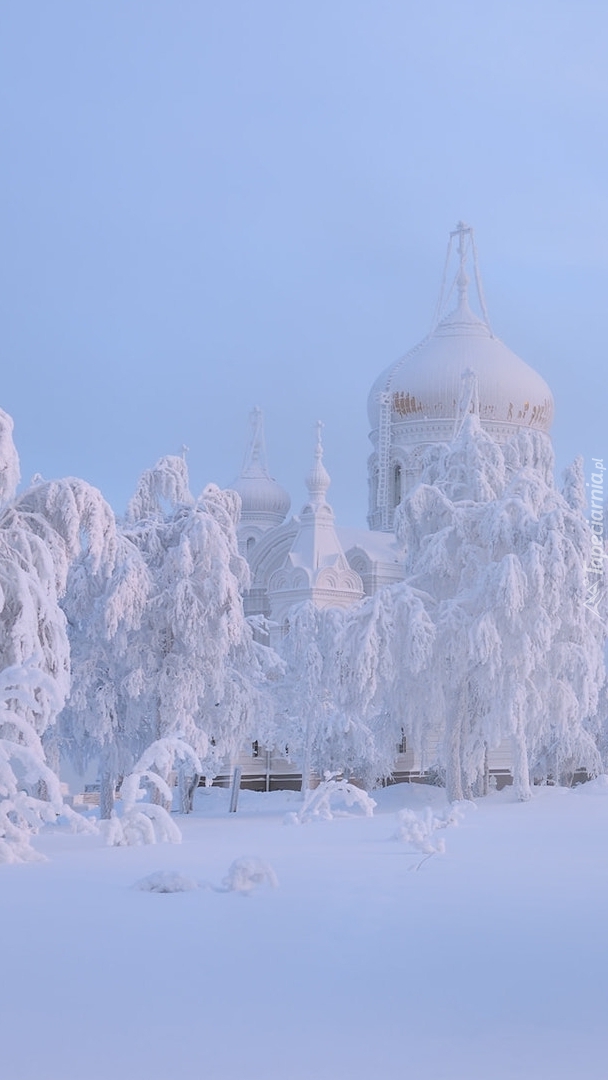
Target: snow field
[[489, 961]]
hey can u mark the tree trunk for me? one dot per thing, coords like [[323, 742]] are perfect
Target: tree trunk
[[156, 796], [307, 759], [164, 772], [188, 784], [50, 744], [521, 772], [453, 740], [107, 788]]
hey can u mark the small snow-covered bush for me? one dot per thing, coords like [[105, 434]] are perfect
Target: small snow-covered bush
[[166, 881], [144, 822], [247, 872], [419, 829], [318, 803]]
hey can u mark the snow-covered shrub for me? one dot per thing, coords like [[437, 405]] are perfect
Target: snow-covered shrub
[[319, 802], [166, 881], [142, 824], [419, 829], [145, 822], [246, 873], [243, 875]]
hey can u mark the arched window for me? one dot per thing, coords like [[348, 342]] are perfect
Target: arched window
[[250, 543]]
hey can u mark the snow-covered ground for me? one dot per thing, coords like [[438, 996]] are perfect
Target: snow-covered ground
[[488, 961]]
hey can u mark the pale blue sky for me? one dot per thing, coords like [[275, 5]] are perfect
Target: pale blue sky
[[205, 206]]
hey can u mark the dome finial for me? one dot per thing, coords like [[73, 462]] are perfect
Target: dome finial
[[319, 447], [462, 278], [462, 312], [254, 462], [318, 479]]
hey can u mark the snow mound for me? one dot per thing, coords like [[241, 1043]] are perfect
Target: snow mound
[[18, 850], [247, 872], [321, 802], [166, 881], [598, 786]]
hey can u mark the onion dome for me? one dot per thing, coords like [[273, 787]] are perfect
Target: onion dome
[[318, 479], [263, 501], [424, 388]]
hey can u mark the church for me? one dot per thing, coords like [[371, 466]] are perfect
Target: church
[[416, 402]]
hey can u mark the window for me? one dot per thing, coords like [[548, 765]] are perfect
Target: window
[[396, 485], [374, 479]]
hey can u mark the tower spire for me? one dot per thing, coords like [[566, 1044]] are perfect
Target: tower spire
[[318, 479]]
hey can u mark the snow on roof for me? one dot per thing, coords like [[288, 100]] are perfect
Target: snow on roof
[[379, 546]]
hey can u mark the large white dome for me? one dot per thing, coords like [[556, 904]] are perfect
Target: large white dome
[[425, 386], [423, 399]]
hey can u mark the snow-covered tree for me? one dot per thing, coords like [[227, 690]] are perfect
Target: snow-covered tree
[[200, 675], [41, 533], [104, 613], [501, 556], [9, 460], [45, 530], [385, 648], [322, 733]]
